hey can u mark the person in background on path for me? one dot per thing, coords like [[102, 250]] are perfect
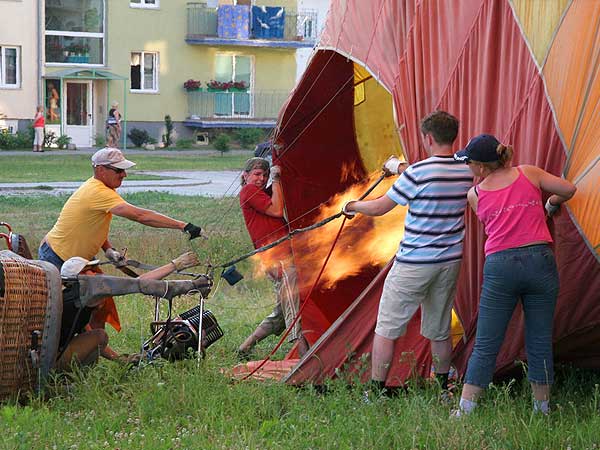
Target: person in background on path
[[79, 343], [39, 123], [263, 214], [428, 261], [113, 126], [519, 264], [83, 225]]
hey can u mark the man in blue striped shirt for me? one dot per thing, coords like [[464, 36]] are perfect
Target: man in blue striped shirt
[[428, 260]]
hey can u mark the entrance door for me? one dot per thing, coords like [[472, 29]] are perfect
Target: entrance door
[[78, 120]]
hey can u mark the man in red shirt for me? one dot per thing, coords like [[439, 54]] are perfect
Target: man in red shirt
[[263, 214]]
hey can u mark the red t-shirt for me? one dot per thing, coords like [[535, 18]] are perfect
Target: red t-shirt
[[39, 121], [263, 229]]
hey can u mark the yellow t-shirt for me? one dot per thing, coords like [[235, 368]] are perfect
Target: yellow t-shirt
[[84, 221]]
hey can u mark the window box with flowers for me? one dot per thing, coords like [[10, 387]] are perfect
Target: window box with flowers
[[218, 86], [192, 85], [238, 86], [228, 86]]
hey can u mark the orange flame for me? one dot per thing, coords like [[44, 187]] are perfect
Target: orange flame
[[364, 241]]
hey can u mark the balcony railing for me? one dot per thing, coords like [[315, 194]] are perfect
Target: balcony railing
[[235, 105], [299, 29]]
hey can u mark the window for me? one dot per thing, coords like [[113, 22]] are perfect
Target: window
[[144, 3], [144, 72], [75, 32], [233, 68], [234, 101], [9, 67]]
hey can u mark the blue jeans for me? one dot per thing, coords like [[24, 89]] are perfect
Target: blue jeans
[[45, 253], [528, 274]]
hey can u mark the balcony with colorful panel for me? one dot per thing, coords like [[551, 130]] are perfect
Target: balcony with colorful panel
[[256, 26]]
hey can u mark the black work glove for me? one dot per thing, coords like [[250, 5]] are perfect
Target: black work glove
[[192, 230]]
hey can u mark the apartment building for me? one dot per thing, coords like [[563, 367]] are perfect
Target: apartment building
[[89, 53], [20, 69]]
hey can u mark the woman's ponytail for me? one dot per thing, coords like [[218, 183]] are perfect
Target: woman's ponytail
[[505, 154]]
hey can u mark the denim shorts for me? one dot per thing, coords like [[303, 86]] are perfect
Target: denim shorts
[[527, 274], [45, 253]]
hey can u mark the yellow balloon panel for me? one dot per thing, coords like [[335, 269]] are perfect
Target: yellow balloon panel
[[374, 125], [457, 331], [585, 205], [539, 19], [571, 65]]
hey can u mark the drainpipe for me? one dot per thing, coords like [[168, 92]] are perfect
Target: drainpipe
[[40, 22]]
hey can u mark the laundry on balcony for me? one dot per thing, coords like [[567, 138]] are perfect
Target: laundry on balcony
[[233, 21], [268, 22]]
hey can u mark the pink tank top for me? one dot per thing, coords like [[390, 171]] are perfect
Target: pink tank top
[[512, 216]]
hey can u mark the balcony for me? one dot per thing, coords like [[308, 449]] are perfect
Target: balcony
[[223, 109], [214, 26]]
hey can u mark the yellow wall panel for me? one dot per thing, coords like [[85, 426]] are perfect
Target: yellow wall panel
[[539, 19]]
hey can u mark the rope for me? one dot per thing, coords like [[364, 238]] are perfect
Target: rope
[[297, 230], [291, 326]]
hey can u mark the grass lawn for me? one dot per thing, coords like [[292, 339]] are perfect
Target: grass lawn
[[59, 167], [183, 405]]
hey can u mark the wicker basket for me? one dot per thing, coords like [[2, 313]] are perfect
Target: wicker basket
[[30, 303]]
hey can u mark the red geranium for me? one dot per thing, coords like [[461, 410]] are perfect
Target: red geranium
[[220, 85], [192, 85]]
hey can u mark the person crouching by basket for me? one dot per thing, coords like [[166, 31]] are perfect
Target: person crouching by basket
[[79, 343]]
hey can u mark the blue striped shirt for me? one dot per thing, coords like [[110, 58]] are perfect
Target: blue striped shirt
[[435, 191]]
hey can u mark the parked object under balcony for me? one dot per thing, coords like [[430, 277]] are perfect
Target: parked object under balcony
[[268, 22], [233, 22]]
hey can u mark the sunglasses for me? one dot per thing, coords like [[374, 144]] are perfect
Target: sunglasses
[[114, 169]]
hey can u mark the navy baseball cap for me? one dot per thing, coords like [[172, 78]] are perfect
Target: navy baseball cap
[[481, 148]]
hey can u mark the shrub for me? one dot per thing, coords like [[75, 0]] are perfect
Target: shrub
[[12, 141], [167, 137], [249, 137], [100, 141], [222, 143], [184, 143], [139, 137], [63, 141]]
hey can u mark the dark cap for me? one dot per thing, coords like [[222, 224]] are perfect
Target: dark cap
[[481, 148]]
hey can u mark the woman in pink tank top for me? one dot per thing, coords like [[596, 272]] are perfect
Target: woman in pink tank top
[[519, 264]]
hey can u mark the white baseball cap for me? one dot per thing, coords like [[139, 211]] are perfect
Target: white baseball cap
[[111, 157], [74, 265]]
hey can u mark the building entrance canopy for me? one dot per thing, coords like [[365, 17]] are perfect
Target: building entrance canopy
[[96, 74]]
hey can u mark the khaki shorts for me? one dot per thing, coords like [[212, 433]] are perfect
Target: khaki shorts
[[408, 286]]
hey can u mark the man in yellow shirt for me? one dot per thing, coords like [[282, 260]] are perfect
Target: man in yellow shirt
[[84, 223]]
